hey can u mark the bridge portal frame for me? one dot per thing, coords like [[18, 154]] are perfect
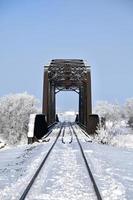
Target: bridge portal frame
[[63, 75]]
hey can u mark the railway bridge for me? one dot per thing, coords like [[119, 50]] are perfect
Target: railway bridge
[[67, 75], [64, 75]]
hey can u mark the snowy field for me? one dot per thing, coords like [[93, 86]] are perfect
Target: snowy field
[[64, 176]]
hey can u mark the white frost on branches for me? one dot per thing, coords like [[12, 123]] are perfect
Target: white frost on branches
[[111, 112], [128, 111], [115, 131], [15, 110]]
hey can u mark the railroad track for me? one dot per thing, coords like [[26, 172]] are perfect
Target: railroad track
[[63, 135], [27, 189], [73, 137], [88, 138], [98, 195]]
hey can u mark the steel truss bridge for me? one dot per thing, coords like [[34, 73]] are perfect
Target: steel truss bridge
[[67, 75]]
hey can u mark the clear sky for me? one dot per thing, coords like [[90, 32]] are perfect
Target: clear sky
[[35, 31]]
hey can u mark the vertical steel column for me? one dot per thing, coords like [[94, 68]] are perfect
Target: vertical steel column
[[45, 108], [52, 104], [49, 103], [89, 98], [81, 105], [45, 91], [48, 99], [85, 104]]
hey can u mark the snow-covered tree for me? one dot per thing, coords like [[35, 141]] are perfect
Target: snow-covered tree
[[111, 112], [128, 109], [15, 110]]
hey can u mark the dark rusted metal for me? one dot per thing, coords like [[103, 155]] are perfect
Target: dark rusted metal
[[93, 122], [40, 127], [67, 75]]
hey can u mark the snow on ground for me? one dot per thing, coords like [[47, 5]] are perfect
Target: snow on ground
[[18, 165], [64, 175], [113, 169], [123, 140]]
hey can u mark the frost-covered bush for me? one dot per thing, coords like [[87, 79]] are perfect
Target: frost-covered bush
[[107, 135], [15, 110], [114, 124], [115, 132], [123, 140], [111, 112], [102, 136], [128, 110], [117, 135]]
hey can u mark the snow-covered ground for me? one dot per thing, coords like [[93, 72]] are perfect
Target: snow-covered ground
[[112, 167], [18, 164], [64, 175]]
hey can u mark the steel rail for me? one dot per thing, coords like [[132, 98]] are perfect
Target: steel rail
[[39, 168], [90, 140], [49, 131], [71, 135], [98, 195], [83, 131], [63, 135]]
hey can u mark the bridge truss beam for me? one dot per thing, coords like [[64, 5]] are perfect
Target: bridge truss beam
[[67, 75]]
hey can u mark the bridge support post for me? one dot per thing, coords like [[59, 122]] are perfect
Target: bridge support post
[[48, 99], [52, 104], [85, 102], [89, 99], [45, 108], [81, 105]]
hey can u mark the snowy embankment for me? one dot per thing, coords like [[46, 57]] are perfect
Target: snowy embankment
[[64, 176]]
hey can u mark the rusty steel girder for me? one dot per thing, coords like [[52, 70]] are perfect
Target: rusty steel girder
[[67, 75]]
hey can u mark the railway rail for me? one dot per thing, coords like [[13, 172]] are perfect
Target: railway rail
[[70, 134], [98, 195], [73, 137], [27, 189]]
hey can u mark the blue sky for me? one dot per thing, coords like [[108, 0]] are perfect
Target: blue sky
[[35, 31]]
